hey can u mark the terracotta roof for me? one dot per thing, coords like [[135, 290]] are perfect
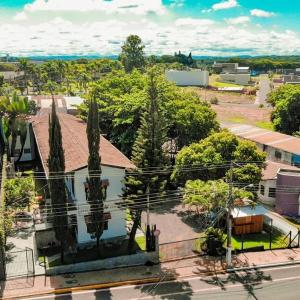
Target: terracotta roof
[[75, 144], [272, 168], [273, 139]]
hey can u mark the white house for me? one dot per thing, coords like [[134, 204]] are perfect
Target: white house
[[189, 77], [113, 164]]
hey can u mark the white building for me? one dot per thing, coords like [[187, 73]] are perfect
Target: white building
[[188, 78], [113, 164], [236, 78]]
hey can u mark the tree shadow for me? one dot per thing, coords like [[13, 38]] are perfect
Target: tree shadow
[[249, 279], [174, 290]]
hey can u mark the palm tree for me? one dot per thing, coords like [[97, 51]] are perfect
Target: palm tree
[[24, 66], [14, 109]]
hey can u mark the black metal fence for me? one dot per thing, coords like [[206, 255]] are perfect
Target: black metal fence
[[19, 263]]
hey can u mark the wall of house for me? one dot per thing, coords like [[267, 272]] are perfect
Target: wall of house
[[288, 200], [242, 79], [185, 78], [28, 152], [265, 197], [117, 223]]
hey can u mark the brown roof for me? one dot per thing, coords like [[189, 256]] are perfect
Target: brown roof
[[75, 144], [273, 139], [272, 168]]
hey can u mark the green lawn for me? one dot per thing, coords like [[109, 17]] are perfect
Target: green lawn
[[141, 241], [259, 239], [264, 125], [214, 81]]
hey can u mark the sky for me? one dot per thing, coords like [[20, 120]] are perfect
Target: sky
[[100, 27]]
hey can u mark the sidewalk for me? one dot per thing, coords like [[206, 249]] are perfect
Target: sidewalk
[[137, 275]]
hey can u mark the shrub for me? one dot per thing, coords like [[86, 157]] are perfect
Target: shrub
[[214, 101]]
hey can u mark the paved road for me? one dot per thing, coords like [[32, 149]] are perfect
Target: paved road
[[264, 90], [268, 284]]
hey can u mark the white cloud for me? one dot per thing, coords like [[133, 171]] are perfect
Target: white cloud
[[225, 5], [177, 3], [193, 22], [120, 6], [238, 20], [261, 13], [21, 16], [41, 30]]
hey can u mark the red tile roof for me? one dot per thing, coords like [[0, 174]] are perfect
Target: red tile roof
[[75, 144], [273, 139], [272, 168]]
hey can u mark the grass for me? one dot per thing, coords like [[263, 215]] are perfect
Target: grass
[[141, 241], [259, 239], [214, 81], [239, 120], [294, 222], [264, 125]]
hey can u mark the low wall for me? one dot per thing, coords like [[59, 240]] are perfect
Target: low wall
[[108, 263]]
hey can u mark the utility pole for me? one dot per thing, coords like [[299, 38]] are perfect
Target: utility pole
[[148, 206], [229, 221]]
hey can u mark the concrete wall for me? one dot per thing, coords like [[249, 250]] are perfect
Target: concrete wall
[[288, 200], [241, 79], [108, 263], [186, 78], [117, 223], [264, 198]]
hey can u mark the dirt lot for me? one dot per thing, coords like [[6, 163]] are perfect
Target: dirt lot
[[225, 97], [243, 114]]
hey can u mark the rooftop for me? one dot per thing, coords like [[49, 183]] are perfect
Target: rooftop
[[272, 168], [63, 103], [75, 144], [261, 136]]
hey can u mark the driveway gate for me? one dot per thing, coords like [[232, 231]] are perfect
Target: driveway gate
[[19, 263]]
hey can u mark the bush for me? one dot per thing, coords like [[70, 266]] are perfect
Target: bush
[[214, 101], [261, 105]]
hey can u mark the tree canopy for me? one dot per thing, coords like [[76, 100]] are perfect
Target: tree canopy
[[132, 55], [219, 149], [286, 103]]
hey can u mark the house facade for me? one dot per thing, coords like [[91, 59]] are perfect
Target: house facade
[[189, 77], [113, 166], [279, 147], [288, 192]]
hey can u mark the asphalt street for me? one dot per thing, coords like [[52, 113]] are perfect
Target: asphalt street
[[268, 284]]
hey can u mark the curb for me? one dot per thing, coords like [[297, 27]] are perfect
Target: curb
[[150, 280], [90, 287], [282, 264]]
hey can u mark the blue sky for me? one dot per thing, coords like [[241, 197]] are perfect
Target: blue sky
[[205, 27]]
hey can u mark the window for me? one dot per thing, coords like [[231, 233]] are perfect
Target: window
[[278, 154], [105, 225], [272, 192], [262, 189]]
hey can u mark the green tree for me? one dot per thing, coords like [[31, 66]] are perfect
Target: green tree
[[286, 103], [210, 195], [25, 66], [15, 110], [56, 166], [219, 149], [147, 153], [95, 196], [19, 192], [132, 55]]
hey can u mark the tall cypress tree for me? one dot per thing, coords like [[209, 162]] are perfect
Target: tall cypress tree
[[95, 196], [147, 153], [56, 165]]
